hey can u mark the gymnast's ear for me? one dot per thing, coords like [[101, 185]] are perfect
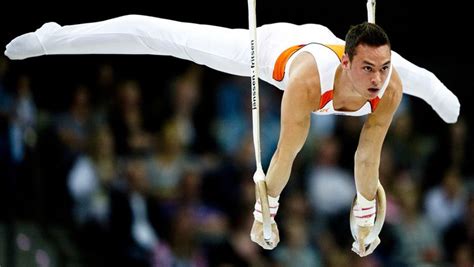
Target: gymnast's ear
[[345, 62]]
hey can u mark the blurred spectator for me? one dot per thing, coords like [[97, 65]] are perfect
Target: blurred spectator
[[73, 126], [184, 248], [330, 188], [419, 243], [247, 251], [461, 156], [458, 239], [134, 217], [127, 120], [18, 118], [234, 118], [168, 162], [210, 227], [213, 224], [450, 153], [410, 151], [19, 143], [91, 177], [322, 127], [333, 255], [185, 96], [387, 176], [5, 151], [295, 249], [89, 182], [23, 120], [5, 94], [104, 87], [229, 187], [445, 203]]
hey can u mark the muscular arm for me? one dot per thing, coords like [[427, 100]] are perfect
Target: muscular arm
[[367, 156], [298, 101]]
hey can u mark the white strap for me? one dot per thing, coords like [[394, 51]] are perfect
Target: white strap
[[273, 205], [364, 211]]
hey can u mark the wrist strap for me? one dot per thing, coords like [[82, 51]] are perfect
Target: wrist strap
[[272, 203], [364, 211]]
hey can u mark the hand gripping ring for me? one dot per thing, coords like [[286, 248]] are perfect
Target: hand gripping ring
[[379, 218]]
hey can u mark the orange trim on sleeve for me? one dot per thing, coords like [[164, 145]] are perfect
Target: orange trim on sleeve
[[373, 103], [325, 98], [280, 64]]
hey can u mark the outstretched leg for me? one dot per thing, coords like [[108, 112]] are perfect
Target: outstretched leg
[[222, 49]]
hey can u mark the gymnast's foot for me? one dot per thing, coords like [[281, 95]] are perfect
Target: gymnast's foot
[[30, 44]]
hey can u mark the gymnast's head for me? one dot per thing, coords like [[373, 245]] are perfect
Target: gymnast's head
[[367, 58], [365, 34]]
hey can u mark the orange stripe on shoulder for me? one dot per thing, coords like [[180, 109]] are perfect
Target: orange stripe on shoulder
[[325, 98], [280, 64], [338, 49], [373, 103]]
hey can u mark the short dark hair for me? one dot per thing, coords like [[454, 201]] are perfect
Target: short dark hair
[[365, 33]]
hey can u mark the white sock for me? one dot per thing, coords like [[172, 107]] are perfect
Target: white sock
[[30, 44]]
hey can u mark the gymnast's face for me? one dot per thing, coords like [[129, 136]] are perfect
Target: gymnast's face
[[368, 69]]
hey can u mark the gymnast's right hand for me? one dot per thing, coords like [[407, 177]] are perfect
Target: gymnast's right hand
[[256, 235]]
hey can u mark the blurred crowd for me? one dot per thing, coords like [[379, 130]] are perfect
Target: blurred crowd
[[145, 174]]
